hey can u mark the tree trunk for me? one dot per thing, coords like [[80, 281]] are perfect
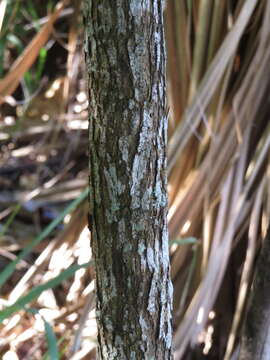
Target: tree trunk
[[124, 49], [256, 338]]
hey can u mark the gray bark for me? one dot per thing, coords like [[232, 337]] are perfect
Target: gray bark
[[128, 202], [256, 337]]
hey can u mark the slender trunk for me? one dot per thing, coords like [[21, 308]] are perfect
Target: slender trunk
[[256, 338], [128, 201]]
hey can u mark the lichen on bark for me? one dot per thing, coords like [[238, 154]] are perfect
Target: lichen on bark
[[125, 63]]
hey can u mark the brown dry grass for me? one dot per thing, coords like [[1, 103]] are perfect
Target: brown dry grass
[[218, 161]]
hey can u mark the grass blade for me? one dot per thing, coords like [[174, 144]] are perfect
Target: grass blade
[[36, 291], [52, 341], [10, 219], [8, 271]]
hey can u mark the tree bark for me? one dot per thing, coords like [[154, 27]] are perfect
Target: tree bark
[[256, 337], [124, 50]]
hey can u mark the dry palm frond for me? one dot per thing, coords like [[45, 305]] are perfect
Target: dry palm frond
[[218, 153]]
